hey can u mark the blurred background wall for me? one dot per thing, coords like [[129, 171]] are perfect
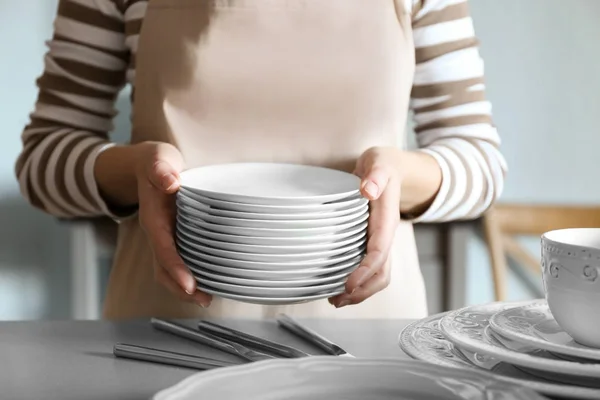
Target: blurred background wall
[[542, 63]]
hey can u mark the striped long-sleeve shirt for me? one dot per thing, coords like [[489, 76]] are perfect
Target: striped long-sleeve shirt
[[91, 58]]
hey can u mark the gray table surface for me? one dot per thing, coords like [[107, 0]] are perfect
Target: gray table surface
[[67, 360]]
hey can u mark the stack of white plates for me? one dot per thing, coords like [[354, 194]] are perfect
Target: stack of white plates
[[520, 343], [271, 233]]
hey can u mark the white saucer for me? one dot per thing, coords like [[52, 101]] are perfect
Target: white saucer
[[466, 329], [341, 205], [533, 324], [257, 257], [337, 277], [264, 232], [228, 262], [271, 275], [271, 183], [194, 214], [423, 340], [271, 292], [269, 301], [214, 209], [253, 248]]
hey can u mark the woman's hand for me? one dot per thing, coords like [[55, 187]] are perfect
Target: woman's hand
[[386, 173], [380, 183], [157, 167]]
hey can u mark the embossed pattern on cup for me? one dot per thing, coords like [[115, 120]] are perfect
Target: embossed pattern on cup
[[571, 276]]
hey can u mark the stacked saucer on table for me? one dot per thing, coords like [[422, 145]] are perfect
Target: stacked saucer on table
[[551, 345], [271, 233]]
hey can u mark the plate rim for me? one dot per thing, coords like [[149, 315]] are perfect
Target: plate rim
[[181, 196], [553, 389], [513, 357], [318, 255], [538, 342], [281, 265], [301, 282], [328, 197], [196, 380], [278, 223], [310, 239], [351, 262], [324, 230]]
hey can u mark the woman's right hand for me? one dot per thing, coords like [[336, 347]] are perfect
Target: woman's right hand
[[157, 168]]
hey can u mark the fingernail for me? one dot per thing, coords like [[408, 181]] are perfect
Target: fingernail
[[168, 181], [204, 304], [371, 188], [362, 276], [189, 285], [343, 303]]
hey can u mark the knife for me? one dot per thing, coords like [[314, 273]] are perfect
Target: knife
[[208, 339], [140, 353], [286, 322], [246, 339]]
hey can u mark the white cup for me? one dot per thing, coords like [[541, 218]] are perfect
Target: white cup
[[571, 274]]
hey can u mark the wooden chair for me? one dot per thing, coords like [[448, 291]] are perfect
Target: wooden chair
[[502, 223]]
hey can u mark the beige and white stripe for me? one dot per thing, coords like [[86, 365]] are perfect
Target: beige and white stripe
[[92, 56]]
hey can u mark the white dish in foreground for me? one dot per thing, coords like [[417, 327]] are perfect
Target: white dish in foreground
[[273, 240], [215, 210], [257, 257], [423, 340], [271, 183], [319, 280], [326, 377], [272, 275], [264, 232]]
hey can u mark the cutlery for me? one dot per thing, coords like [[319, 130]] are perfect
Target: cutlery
[[208, 339], [286, 322], [246, 339], [159, 356]]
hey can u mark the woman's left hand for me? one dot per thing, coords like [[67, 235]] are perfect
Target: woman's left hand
[[381, 182]]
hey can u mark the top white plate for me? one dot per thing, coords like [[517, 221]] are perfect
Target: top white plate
[[331, 378], [271, 183], [534, 324]]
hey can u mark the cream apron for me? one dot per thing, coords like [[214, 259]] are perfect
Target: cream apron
[[300, 81]]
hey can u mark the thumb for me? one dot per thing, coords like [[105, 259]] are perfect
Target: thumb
[[164, 167], [375, 180]]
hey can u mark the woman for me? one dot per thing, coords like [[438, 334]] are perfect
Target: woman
[[303, 81]]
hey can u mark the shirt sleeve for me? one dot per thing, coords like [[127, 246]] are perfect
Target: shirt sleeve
[[84, 71], [452, 118]]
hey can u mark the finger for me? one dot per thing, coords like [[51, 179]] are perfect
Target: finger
[[156, 218], [376, 284], [198, 297], [375, 180], [163, 170], [383, 221], [365, 161]]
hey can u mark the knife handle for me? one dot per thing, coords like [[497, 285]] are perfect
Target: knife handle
[[250, 340], [309, 335], [140, 353], [208, 339]]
